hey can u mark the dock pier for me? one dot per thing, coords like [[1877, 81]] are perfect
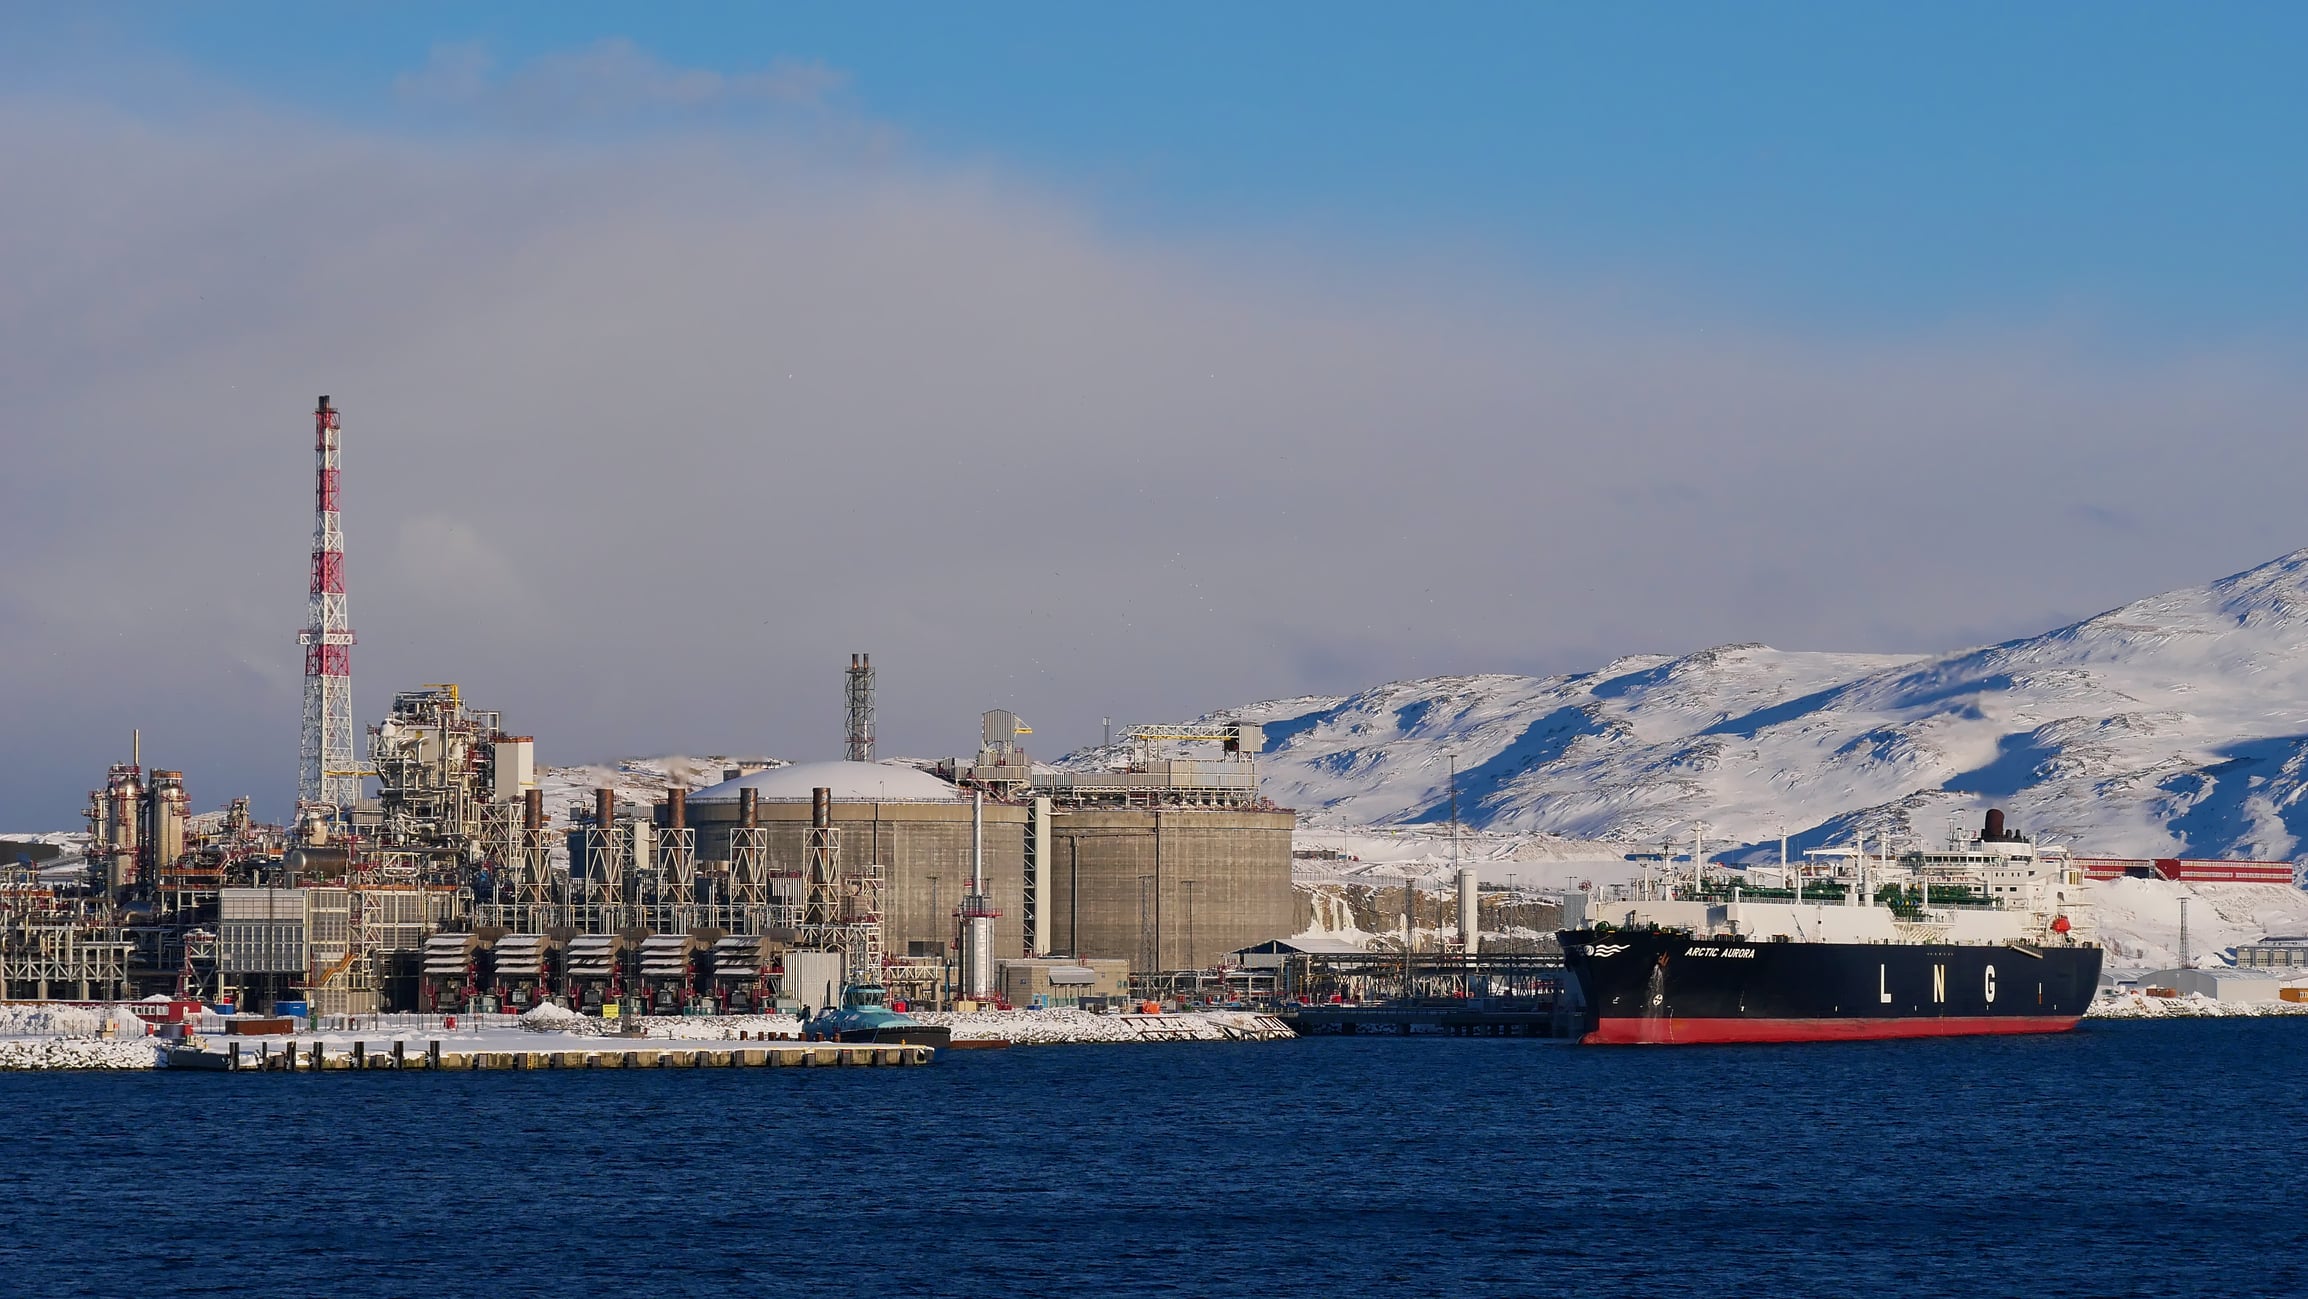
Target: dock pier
[[316, 1057], [1493, 994]]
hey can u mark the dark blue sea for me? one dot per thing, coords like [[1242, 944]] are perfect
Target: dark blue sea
[[2125, 1159]]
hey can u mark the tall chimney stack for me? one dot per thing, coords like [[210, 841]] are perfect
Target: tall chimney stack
[[861, 708]]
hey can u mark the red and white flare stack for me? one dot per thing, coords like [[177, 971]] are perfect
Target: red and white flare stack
[[328, 777]]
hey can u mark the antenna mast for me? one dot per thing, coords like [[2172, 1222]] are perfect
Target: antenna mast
[[327, 776]]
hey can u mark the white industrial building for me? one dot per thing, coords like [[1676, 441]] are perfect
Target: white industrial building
[[2228, 984]]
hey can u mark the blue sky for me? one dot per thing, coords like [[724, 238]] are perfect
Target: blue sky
[[2128, 168], [1106, 361]]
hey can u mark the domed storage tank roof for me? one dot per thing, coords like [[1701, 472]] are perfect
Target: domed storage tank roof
[[851, 782]]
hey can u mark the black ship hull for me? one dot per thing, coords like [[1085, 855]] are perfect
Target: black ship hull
[[1665, 987]]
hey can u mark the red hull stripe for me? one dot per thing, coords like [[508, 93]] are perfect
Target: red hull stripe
[[1668, 1029]]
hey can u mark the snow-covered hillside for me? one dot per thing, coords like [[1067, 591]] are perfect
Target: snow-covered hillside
[[637, 780], [2173, 726], [2139, 920]]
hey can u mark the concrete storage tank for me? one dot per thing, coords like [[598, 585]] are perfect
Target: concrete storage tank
[[1168, 888], [913, 823]]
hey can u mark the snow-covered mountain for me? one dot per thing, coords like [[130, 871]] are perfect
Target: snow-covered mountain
[[2173, 726]]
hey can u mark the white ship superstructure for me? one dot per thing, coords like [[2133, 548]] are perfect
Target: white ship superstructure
[[1997, 887]]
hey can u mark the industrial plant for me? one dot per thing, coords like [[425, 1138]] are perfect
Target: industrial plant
[[423, 870]]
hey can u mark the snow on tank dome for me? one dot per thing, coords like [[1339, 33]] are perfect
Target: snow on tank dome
[[851, 782]]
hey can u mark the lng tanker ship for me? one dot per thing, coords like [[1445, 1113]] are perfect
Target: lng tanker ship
[[1988, 936]]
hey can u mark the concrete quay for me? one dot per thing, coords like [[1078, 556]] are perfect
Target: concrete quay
[[320, 1057]]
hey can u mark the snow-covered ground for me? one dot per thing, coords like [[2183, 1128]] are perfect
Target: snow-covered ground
[[1386, 854], [1060, 1025], [57, 1019], [699, 1028], [2139, 920], [73, 1037], [1535, 868]]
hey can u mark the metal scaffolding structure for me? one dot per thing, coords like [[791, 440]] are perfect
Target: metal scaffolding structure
[[441, 767], [840, 911], [862, 921], [600, 852], [52, 947], [748, 876], [642, 874], [521, 891], [821, 909], [676, 907]]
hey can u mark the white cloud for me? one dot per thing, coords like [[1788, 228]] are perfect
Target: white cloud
[[611, 77], [721, 413]]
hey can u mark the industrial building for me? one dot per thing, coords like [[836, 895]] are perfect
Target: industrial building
[[913, 829], [1164, 862], [1168, 888], [449, 886], [1060, 982], [2276, 952], [2191, 870], [2232, 985], [426, 873], [1168, 859]]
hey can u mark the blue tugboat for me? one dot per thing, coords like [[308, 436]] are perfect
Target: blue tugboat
[[864, 1016]]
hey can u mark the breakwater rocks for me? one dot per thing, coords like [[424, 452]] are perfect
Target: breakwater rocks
[[77, 1053], [2135, 1005]]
